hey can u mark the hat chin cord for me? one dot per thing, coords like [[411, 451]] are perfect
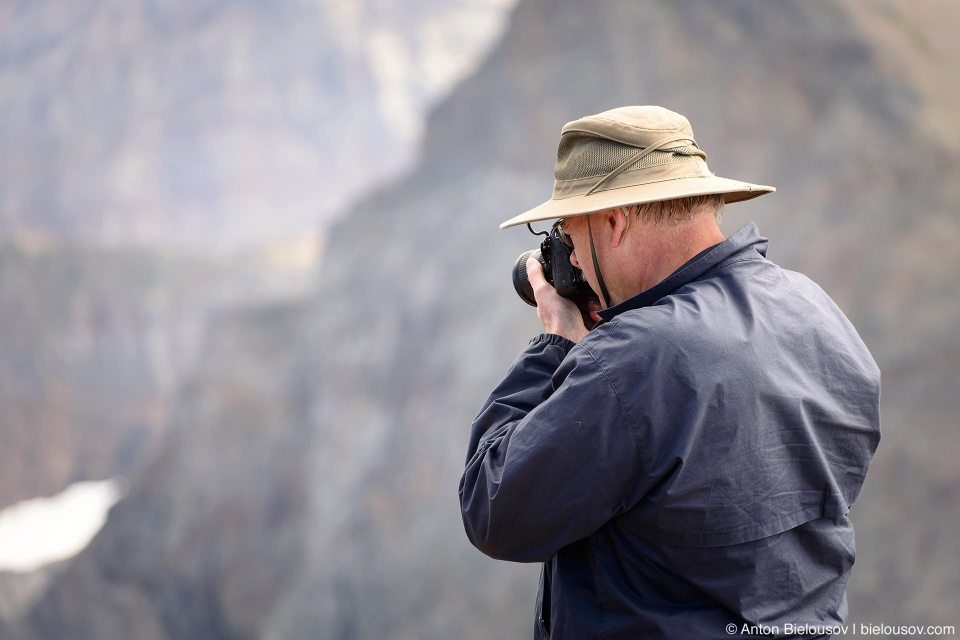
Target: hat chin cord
[[628, 162], [596, 268]]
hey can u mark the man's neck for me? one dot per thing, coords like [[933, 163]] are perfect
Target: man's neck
[[659, 250]]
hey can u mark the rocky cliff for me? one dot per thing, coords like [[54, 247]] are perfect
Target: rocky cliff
[[214, 124], [96, 339], [140, 138], [309, 486], [141, 144]]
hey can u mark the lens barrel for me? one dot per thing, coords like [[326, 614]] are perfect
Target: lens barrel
[[520, 280]]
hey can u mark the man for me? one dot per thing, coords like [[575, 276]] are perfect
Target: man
[[684, 469]]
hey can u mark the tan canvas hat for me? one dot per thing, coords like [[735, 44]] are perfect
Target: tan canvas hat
[[626, 156]]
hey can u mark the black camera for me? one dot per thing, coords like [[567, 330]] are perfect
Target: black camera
[[554, 257]]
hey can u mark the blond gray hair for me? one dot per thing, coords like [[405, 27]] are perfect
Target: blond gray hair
[[679, 210]]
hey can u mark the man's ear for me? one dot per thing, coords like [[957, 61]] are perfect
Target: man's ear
[[619, 221]]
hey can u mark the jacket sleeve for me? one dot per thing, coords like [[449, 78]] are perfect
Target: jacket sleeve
[[552, 456]]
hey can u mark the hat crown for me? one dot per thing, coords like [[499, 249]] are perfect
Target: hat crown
[[638, 126], [602, 144]]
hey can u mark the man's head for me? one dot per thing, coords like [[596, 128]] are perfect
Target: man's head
[[626, 250], [632, 172]]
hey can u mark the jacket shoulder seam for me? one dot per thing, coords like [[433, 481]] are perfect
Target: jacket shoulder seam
[[727, 263], [623, 408]]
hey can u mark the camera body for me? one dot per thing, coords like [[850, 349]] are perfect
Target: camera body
[[554, 257]]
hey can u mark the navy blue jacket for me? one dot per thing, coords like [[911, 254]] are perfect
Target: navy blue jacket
[[690, 463]]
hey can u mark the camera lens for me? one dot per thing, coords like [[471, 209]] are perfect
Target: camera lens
[[520, 280]]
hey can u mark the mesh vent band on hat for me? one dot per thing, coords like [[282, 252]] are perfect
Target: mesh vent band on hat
[[582, 155]]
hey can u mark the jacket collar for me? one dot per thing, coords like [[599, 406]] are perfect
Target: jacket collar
[[745, 244]]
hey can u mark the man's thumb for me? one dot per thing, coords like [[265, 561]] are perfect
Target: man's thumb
[[535, 273]]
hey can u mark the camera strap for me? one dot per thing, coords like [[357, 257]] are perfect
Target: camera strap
[[596, 268]]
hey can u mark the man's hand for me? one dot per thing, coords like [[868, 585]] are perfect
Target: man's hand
[[559, 315]]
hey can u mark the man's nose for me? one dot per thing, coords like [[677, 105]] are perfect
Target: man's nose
[[573, 259]]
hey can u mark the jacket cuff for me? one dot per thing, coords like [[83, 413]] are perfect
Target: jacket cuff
[[545, 339]]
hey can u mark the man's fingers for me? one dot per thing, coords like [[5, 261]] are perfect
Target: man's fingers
[[535, 274], [538, 282]]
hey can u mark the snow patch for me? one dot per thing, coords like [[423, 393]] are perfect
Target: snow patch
[[40, 531]]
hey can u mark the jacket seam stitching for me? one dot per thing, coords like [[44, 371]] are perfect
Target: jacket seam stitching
[[623, 408], [732, 262], [723, 264], [610, 326]]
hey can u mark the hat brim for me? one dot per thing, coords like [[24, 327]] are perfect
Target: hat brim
[[731, 190]]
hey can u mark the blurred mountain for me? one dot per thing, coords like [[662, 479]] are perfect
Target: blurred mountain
[[96, 341], [217, 124], [162, 160], [138, 138], [308, 485]]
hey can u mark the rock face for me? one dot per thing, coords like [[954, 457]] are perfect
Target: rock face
[[213, 124], [96, 340], [217, 540], [309, 486], [140, 138]]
